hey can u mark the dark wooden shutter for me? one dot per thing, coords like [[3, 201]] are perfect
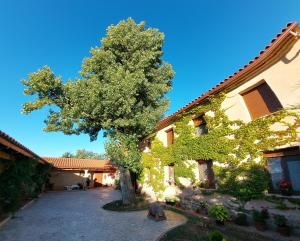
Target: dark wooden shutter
[[261, 101], [170, 137], [198, 121]]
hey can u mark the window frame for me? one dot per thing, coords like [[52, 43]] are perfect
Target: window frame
[[265, 101], [282, 154]]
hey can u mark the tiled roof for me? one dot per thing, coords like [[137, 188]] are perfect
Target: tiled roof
[[12, 143], [281, 37], [77, 163]]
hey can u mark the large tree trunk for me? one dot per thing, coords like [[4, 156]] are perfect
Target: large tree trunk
[[128, 192]]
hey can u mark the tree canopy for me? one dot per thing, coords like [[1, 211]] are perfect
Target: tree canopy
[[121, 89], [84, 154]]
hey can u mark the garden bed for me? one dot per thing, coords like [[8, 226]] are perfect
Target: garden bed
[[118, 206], [198, 228]]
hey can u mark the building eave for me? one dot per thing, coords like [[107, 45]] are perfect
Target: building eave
[[269, 51]]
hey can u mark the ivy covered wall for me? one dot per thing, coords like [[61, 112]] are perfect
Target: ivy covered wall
[[20, 180], [236, 148]]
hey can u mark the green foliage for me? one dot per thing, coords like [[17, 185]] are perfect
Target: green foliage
[[216, 236], [19, 180], [248, 181], [241, 219], [260, 216], [117, 205], [84, 154], [282, 206], [236, 147], [153, 168], [124, 151], [122, 86], [280, 220], [121, 91], [219, 213]]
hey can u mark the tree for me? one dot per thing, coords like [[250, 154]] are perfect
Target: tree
[[84, 154], [121, 91]]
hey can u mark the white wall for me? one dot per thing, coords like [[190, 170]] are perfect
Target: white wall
[[283, 77]]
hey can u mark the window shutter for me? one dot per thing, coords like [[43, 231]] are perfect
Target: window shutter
[[261, 101], [170, 137]]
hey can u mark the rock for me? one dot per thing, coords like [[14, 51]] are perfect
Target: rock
[[156, 212]]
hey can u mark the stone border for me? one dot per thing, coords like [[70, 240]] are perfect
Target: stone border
[[184, 222]]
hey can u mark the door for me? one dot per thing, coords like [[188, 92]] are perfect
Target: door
[[206, 174]]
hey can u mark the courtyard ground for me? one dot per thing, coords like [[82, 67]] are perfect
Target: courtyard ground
[[78, 216]]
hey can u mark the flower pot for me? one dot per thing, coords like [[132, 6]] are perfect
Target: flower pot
[[261, 226], [219, 222], [284, 230], [170, 203], [286, 192]]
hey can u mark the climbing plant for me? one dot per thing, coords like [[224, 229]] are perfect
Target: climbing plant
[[20, 179], [235, 146]]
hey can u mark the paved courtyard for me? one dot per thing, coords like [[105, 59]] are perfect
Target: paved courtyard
[[78, 216]]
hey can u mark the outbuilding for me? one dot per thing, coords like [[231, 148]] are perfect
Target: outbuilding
[[73, 171]]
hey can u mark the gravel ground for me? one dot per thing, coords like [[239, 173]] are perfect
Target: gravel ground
[[78, 216]]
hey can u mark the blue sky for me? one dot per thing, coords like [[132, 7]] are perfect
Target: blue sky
[[205, 42]]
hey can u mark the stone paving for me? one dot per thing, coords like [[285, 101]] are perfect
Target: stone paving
[[78, 216]]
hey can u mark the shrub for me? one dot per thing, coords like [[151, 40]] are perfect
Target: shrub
[[203, 204], [282, 206], [219, 213], [260, 216], [216, 236], [206, 192], [244, 183], [21, 180], [117, 184], [280, 220], [241, 219]]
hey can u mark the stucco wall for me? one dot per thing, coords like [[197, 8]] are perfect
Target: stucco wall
[[63, 178], [283, 77]]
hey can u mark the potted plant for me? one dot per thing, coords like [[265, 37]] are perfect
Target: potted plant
[[216, 236], [259, 218], [281, 223], [219, 213], [171, 200], [202, 208], [285, 188], [241, 219]]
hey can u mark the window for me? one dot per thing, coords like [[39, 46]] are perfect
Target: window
[[261, 101], [200, 126], [170, 136], [284, 165]]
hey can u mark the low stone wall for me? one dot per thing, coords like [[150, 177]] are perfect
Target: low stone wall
[[194, 199]]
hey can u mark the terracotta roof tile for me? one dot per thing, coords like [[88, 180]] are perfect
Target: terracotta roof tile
[[17, 144], [281, 37], [77, 163]]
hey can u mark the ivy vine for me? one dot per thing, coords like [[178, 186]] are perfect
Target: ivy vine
[[20, 180], [235, 146]]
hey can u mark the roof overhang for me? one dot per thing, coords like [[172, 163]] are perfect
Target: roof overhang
[[267, 57]]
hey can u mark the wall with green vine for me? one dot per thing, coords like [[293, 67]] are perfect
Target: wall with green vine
[[20, 180], [236, 147]]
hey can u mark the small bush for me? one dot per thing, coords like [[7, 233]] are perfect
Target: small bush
[[219, 213], [282, 206], [280, 220], [216, 236], [260, 216], [241, 219], [117, 184]]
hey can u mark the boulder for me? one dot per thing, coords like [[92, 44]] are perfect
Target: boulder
[[156, 212]]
